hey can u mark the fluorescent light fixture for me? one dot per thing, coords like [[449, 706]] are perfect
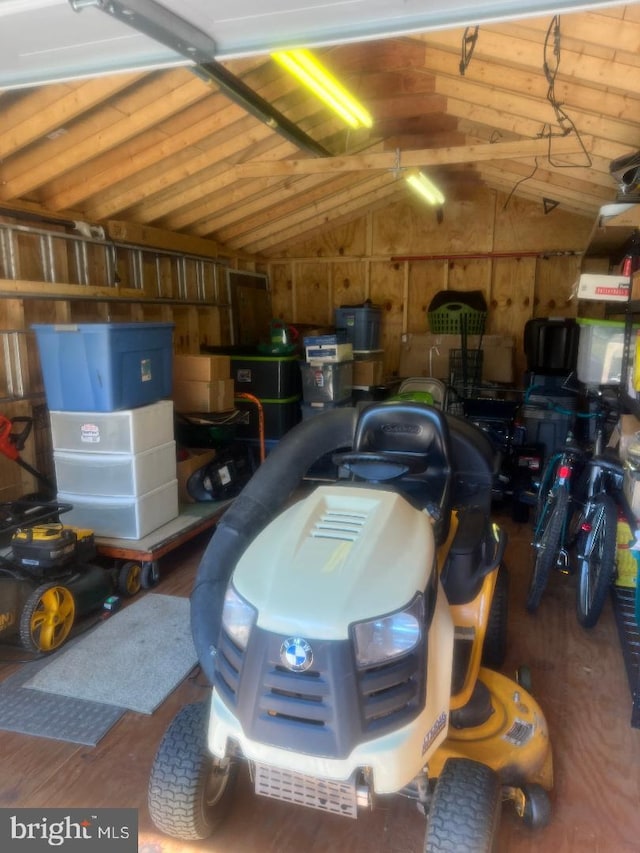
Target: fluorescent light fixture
[[312, 74], [424, 187]]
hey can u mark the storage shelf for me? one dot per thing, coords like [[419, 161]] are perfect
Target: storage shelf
[[624, 610], [608, 238], [624, 599]]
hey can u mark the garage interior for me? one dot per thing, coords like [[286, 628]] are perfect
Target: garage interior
[[223, 196]]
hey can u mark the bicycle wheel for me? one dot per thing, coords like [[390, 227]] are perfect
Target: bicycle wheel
[[547, 538], [596, 558]]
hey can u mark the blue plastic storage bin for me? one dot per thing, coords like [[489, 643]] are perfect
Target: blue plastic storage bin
[[105, 367], [361, 324]]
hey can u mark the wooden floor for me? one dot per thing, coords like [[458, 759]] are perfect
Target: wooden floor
[[578, 677]]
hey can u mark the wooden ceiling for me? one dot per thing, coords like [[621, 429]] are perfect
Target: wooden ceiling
[[168, 149]]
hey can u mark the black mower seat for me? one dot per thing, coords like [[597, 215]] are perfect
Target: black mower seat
[[408, 442], [475, 464]]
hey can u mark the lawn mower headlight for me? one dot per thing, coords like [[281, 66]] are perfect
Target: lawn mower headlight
[[238, 617], [388, 637]]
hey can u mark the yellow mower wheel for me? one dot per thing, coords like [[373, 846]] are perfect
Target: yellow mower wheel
[[47, 618], [130, 578]]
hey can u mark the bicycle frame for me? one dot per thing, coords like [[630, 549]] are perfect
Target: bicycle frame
[[563, 467]]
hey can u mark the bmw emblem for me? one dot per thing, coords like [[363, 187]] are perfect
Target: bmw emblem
[[296, 654]]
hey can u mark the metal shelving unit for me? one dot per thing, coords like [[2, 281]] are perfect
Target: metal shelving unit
[[624, 598], [624, 610]]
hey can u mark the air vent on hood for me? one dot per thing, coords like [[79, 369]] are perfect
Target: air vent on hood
[[340, 525]]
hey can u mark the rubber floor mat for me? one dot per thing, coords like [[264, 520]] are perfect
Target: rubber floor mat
[[133, 660], [48, 715]]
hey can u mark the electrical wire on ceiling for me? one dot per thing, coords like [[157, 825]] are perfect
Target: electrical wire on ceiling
[[469, 40], [551, 63], [552, 50], [518, 183]]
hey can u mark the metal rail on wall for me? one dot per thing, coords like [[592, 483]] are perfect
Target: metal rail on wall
[[57, 257]]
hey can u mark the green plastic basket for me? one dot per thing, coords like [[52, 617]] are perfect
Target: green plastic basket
[[454, 318]]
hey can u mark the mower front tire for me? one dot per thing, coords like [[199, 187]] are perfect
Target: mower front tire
[[465, 810], [47, 618], [190, 792]]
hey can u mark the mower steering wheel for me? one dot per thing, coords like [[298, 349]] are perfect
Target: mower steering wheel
[[380, 465]]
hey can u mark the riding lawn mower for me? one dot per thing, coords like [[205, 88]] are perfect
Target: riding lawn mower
[[351, 633]]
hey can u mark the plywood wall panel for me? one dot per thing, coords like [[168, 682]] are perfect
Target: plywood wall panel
[[281, 284], [345, 240], [413, 228], [521, 226], [470, 274], [426, 278], [387, 286], [554, 288], [510, 305], [186, 334], [512, 295], [312, 294], [351, 283]]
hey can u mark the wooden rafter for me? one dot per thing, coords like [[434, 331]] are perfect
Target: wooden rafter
[[389, 160]]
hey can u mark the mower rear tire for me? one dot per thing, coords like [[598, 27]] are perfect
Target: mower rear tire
[[190, 792], [465, 810], [47, 618]]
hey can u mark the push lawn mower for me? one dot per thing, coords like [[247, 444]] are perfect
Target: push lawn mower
[[47, 575], [48, 581], [345, 641]]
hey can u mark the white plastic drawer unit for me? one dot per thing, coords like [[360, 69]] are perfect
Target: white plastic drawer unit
[[600, 351], [122, 518], [128, 431], [115, 474]]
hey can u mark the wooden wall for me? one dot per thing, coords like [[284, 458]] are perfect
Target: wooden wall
[[385, 257]]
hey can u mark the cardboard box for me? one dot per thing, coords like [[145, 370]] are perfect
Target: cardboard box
[[604, 288], [201, 368], [631, 489], [428, 355], [623, 434], [195, 458], [329, 352], [367, 372], [626, 559], [215, 396]]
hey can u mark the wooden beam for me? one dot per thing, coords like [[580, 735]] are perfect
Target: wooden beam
[[292, 227], [389, 160], [500, 40], [144, 235], [495, 73], [282, 242], [287, 198], [514, 103], [48, 108], [158, 105], [49, 290]]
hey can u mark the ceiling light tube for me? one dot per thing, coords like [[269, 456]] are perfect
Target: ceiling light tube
[[425, 187], [312, 74]]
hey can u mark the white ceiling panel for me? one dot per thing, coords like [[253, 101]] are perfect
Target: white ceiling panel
[[48, 40]]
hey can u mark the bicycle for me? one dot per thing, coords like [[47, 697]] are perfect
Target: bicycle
[[578, 497], [596, 537], [553, 535]]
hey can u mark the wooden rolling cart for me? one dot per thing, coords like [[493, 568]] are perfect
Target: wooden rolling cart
[[147, 551]]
